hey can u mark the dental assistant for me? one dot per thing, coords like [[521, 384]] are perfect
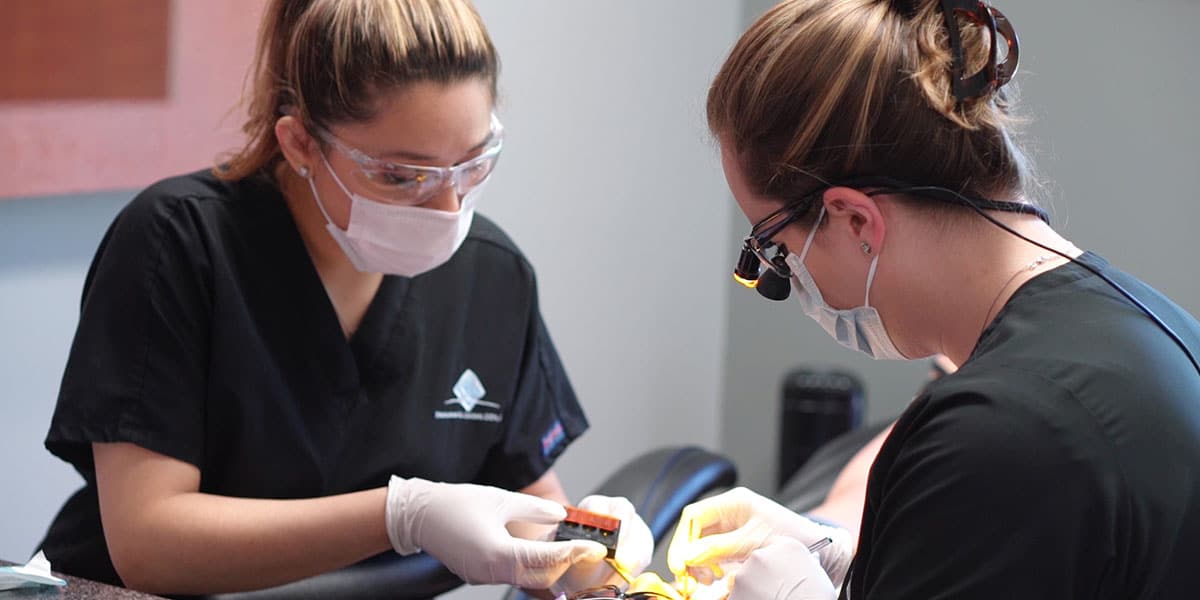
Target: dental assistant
[[318, 351], [870, 144]]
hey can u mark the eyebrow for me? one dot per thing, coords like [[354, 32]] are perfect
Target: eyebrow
[[406, 155]]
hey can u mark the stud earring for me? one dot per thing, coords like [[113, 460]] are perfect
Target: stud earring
[[303, 172], [866, 248]]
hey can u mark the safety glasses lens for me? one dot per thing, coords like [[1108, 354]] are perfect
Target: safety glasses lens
[[401, 185]]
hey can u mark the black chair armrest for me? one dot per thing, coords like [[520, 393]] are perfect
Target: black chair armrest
[[386, 575]]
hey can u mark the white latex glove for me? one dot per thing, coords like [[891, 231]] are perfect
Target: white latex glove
[[463, 525], [782, 570], [730, 526], [635, 548]]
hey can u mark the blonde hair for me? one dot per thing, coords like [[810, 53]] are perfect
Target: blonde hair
[[328, 61], [818, 91]]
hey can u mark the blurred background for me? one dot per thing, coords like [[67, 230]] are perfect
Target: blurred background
[[609, 183]]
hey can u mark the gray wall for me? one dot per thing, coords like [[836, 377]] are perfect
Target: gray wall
[[607, 182], [45, 247], [1110, 89], [612, 188]]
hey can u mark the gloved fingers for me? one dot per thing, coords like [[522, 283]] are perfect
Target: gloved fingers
[[702, 574], [783, 569], [717, 590], [541, 563], [635, 548], [691, 524], [635, 545], [734, 546], [836, 557], [532, 531], [686, 584], [717, 514], [584, 574], [523, 507], [613, 506]]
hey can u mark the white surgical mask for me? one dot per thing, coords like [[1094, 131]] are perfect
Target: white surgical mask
[[396, 239], [856, 328]]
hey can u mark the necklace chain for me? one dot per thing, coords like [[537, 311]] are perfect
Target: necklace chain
[[1037, 262]]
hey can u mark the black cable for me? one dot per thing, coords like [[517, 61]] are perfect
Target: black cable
[[1128, 296]]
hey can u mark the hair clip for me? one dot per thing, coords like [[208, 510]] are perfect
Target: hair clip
[[993, 76], [908, 8]]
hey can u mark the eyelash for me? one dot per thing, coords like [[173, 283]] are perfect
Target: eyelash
[[397, 179]]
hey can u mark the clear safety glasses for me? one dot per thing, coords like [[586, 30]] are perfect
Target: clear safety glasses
[[411, 185]]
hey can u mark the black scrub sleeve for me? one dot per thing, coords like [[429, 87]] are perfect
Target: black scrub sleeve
[[545, 416], [136, 368], [985, 503]]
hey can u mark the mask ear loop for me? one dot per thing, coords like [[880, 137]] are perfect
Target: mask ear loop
[[812, 234], [871, 279], [317, 198]]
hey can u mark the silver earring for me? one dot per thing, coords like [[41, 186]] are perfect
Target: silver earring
[[866, 248], [303, 172]]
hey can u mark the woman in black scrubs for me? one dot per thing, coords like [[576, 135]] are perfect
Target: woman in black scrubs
[[869, 144], [318, 351]]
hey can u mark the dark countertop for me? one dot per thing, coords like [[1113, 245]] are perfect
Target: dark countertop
[[76, 589]]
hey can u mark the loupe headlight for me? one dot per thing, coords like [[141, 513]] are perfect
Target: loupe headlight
[[748, 267], [773, 283]]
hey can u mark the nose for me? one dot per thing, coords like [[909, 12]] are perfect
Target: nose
[[446, 199]]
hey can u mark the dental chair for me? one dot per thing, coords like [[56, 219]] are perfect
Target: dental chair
[[659, 483]]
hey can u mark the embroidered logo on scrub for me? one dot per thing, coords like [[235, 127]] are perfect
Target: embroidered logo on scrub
[[468, 395]]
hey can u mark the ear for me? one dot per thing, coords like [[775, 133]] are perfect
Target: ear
[[298, 147], [861, 214]]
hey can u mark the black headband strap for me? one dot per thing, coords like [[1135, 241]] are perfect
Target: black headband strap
[[946, 195]]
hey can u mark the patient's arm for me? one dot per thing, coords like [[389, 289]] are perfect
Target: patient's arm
[[844, 504]]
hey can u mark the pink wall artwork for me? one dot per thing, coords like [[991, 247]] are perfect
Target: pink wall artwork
[[85, 111]]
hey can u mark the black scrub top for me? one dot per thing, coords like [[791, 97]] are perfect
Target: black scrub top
[[206, 335], [1062, 460]]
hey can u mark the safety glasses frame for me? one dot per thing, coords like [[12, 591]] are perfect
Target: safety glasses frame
[[425, 181]]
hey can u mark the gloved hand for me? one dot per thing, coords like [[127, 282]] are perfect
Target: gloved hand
[[784, 569], [635, 548], [463, 525], [730, 526]]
